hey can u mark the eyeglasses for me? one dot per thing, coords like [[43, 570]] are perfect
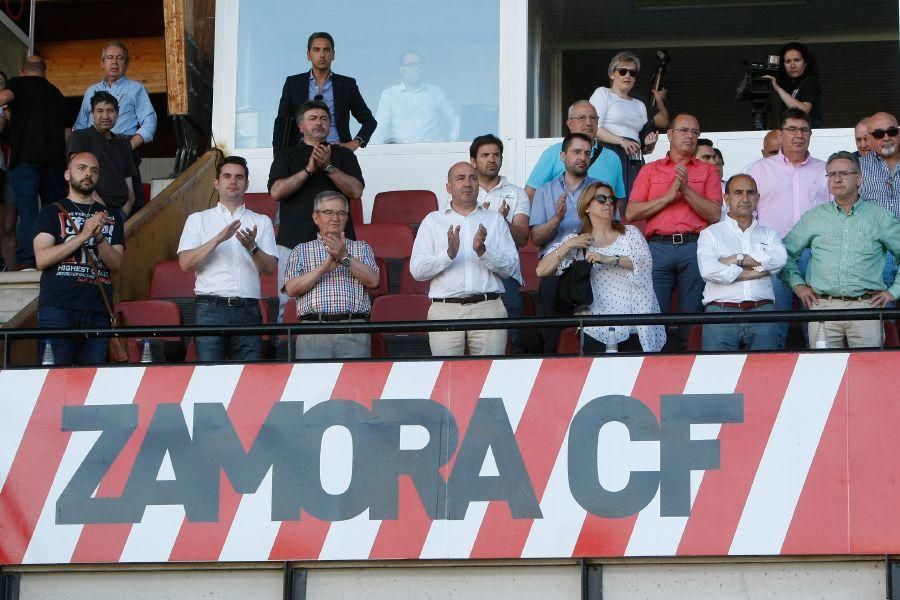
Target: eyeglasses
[[584, 118], [622, 71], [688, 130], [332, 213], [795, 130], [839, 174], [604, 199], [880, 133]]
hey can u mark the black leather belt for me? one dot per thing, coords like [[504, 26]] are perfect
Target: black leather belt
[[469, 299], [744, 305], [675, 238], [234, 301], [329, 318], [865, 296]]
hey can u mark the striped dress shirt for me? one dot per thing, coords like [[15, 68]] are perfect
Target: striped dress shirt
[[879, 184]]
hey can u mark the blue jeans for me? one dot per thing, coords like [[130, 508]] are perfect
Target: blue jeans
[[675, 265], [512, 300], [69, 351], [890, 272], [219, 348], [29, 181], [784, 298], [741, 336]]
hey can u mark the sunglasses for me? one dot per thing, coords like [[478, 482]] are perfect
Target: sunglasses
[[880, 133], [604, 199], [623, 72]]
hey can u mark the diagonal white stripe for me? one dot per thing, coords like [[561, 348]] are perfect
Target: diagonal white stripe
[[557, 533], [789, 454], [511, 380], [52, 543], [152, 539], [19, 391], [353, 539], [654, 535], [253, 531]]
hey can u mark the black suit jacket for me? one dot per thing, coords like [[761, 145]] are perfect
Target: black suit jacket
[[347, 99]]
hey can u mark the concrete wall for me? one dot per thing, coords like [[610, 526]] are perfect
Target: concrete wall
[[797, 580]]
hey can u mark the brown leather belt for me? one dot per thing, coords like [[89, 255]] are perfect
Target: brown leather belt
[[745, 305], [328, 318], [469, 299], [865, 296]]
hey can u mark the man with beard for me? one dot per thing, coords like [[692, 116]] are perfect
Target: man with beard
[[603, 165], [464, 251], [112, 151], [679, 196], [554, 215], [300, 172], [73, 259], [881, 173]]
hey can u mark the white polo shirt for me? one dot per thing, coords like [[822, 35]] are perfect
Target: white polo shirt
[[229, 270]]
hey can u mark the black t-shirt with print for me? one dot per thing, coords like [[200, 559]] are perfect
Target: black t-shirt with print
[[70, 284]]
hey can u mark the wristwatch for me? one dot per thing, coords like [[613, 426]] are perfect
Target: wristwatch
[[329, 169], [740, 260], [346, 261], [360, 141]]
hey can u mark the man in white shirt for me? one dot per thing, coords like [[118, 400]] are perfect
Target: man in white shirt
[[465, 250], [737, 258], [414, 111], [228, 247]]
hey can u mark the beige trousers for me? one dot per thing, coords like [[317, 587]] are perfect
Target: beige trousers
[[479, 343], [858, 334]]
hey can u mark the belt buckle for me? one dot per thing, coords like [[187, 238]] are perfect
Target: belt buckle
[[677, 238], [234, 301]]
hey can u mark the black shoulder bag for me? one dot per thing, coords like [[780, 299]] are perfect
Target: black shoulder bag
[[573, 289]]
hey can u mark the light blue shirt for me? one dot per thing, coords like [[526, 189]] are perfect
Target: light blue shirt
[[544, 207], [607, 168], [327, 92], [136, 114]]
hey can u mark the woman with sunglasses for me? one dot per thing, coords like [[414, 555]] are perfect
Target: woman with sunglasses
[[622, 117], [797, 84], [621, 278]]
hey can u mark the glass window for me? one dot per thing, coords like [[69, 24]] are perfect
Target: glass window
[[427, 70]]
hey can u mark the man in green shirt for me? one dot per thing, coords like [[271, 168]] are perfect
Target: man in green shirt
[[848, 240]]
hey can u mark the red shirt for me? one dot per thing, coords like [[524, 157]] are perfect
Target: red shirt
[[678, 217]]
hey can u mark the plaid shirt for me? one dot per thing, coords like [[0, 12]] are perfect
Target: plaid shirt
[[879, 185], [337, 292]]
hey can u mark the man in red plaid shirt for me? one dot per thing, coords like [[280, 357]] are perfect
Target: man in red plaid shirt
[[329, 276]]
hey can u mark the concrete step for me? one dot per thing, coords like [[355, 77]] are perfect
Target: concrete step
[[17, 289]]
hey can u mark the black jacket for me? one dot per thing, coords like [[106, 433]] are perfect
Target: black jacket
[[347, 99]]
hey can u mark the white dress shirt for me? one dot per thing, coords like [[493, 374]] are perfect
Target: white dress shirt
[[408, 115], [229, 270], [725, 238], [467, 274]]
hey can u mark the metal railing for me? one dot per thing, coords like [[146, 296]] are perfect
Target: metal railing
[[309, 328]]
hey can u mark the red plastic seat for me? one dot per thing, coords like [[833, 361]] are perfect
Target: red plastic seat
[[290, 312], [568, 341], [528, 262], [268, 285], [261, 203], [169, 281], [384, 285], [403, 206], [695, 339], [147, 188], [400, 307], [891, 338], [356, 211], [409, 285], [147, 313], [388, 240]]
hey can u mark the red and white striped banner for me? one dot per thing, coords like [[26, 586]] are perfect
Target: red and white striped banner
[[513, 458]]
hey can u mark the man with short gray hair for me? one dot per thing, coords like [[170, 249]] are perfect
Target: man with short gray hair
[[330, 277], [848, 240]]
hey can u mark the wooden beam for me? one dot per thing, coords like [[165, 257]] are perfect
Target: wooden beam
[[73, 66], [176, 59]]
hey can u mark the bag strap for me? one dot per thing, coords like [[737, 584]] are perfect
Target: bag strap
[[595, 154], [90, 257]]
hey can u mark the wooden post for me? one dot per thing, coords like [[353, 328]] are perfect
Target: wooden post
[[176, 68]]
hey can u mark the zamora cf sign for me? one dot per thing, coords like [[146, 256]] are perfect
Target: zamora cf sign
[[289, 444]]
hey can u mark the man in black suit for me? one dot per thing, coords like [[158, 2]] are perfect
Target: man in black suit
[[340, 93]]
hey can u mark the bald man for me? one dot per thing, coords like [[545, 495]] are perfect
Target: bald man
[[861, 137], [464, 251], [771, 143], [881, 172]]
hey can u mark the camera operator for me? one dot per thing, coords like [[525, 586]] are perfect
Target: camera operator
[[797, 84]]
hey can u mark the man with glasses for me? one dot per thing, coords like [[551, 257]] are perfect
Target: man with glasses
[[678, 196], [881, 171], [604, 165], [329, 276], [790, 183], [737, 258], [848, 240], [300, 172], [339, 93], [228, 247], [137, 117], [414, 111]]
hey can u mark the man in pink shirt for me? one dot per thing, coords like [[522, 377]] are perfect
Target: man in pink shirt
[[679, 196], [790, 183]]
